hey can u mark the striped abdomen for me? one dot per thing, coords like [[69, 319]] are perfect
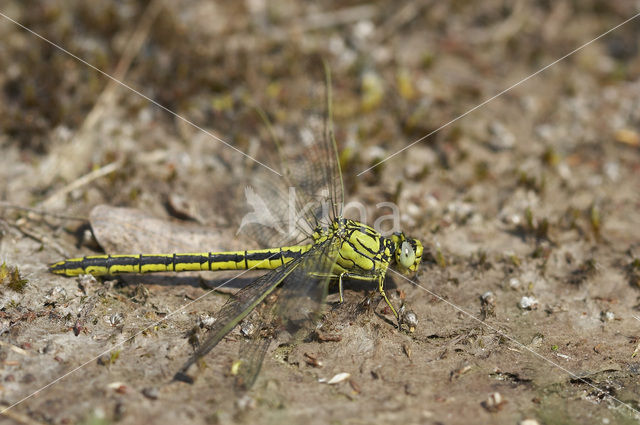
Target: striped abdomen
[[100, 265]]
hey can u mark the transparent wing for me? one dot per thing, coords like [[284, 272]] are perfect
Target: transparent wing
[[287, 208], [236, 309], [295, 312], [248, 298], [251, 353], [271, 209]]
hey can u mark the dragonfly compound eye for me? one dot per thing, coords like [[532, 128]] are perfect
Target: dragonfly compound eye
[[407, 255]]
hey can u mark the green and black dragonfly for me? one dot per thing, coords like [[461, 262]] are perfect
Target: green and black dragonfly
[[335, 249]]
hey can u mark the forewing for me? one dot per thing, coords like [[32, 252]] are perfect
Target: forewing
[[309, 192]]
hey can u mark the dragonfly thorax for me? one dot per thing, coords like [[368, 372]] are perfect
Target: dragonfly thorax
[[363, 251]]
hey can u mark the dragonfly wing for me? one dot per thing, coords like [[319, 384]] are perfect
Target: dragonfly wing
[[296, 310], [310, 190], [236, 309], [251, 354], [305, 289]]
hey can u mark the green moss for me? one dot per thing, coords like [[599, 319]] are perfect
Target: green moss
[[11, 278]]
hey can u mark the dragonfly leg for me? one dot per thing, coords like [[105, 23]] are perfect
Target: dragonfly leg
[[340, 287], [384, 295], [373, 278]]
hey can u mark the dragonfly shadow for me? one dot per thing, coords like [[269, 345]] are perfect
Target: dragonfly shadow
[[223, 284]]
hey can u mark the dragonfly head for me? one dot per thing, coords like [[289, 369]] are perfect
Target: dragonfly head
[[408, 253]]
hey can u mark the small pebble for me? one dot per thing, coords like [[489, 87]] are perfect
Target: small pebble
[[340, 377], [119, 387], [247, 328], [28, 378], [56, 294], [494, 402], [86, 280], [528, 303], [150, 393], [408, 317], [612, 171], [246, 403], [501, 137], [564, 171], [489, 298], [116, 319], [514, 283], [207, 321], [607, 316]]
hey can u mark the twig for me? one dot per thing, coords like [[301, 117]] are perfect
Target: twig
[[15, 348], [37, 237], [405, 14], [87, 178], [18, 418], [107, 98], [10, 206]]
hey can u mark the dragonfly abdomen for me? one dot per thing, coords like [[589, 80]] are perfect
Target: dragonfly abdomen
[[101, 265]]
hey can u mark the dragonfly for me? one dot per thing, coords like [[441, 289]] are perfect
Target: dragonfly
[[325, 248]]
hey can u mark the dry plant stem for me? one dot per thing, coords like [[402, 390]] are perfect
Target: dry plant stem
[[78, 183], [10, 206], [79, 144], [37, 237]]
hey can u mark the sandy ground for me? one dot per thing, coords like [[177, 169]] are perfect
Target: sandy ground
[[528, 206]]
